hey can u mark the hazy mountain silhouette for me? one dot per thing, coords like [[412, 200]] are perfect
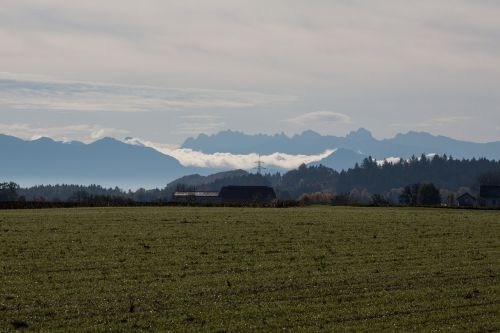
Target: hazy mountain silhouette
[[341, 159], [241, 143], [360, 141], [197, 180], [106, 161], [110, 162]]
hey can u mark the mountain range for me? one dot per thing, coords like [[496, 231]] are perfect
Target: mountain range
[[107, 162], [360, 141], [111, 162]]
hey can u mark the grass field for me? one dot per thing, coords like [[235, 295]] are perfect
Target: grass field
[[237, 270]]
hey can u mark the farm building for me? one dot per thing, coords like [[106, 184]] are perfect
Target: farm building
[[489, 196], [466, 200], [229, 194], [198, 197], [247, 194]]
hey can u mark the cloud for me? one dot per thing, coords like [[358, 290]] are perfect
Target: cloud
[[434, 122], [376, 61], [188, 157], [235, 41], [450, 119], [85, 133], [389, 160], [396, 160], [196, 124], [25, 92], [321, 117]]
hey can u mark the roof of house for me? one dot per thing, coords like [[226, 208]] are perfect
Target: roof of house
[[489, 192], [466, 195], [196, 194]]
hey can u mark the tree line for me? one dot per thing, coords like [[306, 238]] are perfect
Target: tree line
[[419, 180], [450, 176]]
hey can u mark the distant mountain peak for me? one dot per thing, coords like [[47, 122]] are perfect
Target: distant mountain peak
[[44, 140], [362, 134], [341, 159], [106, 140], [310, 134]]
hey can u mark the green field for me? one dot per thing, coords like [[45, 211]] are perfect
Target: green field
[[237, 270]]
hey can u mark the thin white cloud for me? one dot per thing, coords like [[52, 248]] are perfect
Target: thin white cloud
[[188, 157], [321, 117], [450, 120], [199, 123], [85, 133], [434, 122], [31, 93]]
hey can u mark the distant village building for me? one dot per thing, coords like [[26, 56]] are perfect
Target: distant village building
[[197, 197], [228, 194], [489, 196], [466, 200]]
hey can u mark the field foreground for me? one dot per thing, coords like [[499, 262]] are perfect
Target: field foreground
[[237, 270]]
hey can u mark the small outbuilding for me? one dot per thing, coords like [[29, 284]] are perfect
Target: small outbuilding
[[466, 200]]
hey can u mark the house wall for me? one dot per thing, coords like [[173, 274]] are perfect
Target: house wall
[[466, 202], [196, 199], [492, 203]]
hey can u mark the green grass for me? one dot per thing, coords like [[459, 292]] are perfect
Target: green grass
[[237, 270]]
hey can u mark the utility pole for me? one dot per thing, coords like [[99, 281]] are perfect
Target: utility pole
[[259, 167]]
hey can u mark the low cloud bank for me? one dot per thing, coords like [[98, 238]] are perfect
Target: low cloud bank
[[189, 157]]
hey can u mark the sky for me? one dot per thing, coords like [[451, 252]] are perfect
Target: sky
[[163, 70]]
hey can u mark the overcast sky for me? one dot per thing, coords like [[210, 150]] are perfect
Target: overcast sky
[[164, 70]]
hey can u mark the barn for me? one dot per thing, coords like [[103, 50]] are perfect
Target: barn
[[228, 194], [247, 194]]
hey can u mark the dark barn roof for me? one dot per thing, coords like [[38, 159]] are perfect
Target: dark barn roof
[[466, 200], [247, 193], [466, 196], [490, 192]]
